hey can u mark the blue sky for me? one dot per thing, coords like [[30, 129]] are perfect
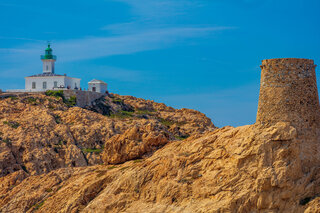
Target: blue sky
[[199, 54]]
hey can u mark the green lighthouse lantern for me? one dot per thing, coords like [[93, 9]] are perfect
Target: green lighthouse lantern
[[48, 54], [48, 60]]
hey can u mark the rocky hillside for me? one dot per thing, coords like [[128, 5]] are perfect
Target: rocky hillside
[[156, 159], [40, 133]]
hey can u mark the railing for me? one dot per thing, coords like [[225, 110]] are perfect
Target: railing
[[53, 57]]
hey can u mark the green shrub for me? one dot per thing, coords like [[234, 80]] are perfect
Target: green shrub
[[144, 112], [12, 124], [55, 93], [38, 205], [122, 114], [32, 100], [112, 167], [166, 122], [13, 98], [7, 141], [94, 150], [181, 137], [117, 100], [72, 101]]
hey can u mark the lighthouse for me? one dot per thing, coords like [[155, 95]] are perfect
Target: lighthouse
[[48, 61], [48, 79]]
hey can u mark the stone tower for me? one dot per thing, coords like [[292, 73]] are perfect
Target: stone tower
[[288, 93]]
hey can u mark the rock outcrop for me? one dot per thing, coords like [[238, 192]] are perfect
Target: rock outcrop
[[40, 133], [244, 169], [159, 159]]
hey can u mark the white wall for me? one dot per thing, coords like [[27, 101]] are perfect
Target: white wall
[[72, 82], [61, 81], [100, 87], [48, 64]]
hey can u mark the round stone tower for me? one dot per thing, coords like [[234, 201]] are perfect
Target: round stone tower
[[288, 93]]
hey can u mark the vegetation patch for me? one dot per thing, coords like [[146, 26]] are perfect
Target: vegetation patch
[[166, 122], [94, 150], [72, 101], [38, 205], [112, 167], [13, 98], [122, 114], [54, 93], [7, 141], [117, 100], [48, 190], [180, 138], [12, 124], [137, 160], [144, 112], [32, 100], [57, 118], [124, 168]]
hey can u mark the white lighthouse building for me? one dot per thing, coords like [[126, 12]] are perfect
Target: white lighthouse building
[[48, 80]]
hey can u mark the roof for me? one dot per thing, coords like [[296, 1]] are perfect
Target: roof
[[45, 75], [95, 81]]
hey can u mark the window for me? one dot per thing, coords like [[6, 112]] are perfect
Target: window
[[93, 89], [44, 85], [55, 84], [47, 67], [33, 85]]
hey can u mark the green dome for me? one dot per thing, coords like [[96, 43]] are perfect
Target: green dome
[[49, 48]]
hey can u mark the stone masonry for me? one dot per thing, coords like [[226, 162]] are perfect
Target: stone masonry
[[288, 93]]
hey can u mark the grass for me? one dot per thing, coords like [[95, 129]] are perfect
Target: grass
[[57, 94], [117, 100], [7, 141], [112, 167], [137, 160], [180, 138], [124, 168], [144, 112], [72, 101], [32, 101], [12, 124], [94, 150], [166, 122], [38, 205], [13, 98], [122, 114]]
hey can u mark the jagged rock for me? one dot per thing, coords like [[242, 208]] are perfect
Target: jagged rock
[[243, 169], [40, 133]]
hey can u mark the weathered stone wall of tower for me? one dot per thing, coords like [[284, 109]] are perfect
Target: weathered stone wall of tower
[[288, 93]]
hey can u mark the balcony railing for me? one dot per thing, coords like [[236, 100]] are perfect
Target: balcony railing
[[53, 57]]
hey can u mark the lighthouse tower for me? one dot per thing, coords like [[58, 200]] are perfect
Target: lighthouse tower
[[48, 61]]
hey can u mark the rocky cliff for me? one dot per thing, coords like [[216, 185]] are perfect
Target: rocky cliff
[[131, 155]]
